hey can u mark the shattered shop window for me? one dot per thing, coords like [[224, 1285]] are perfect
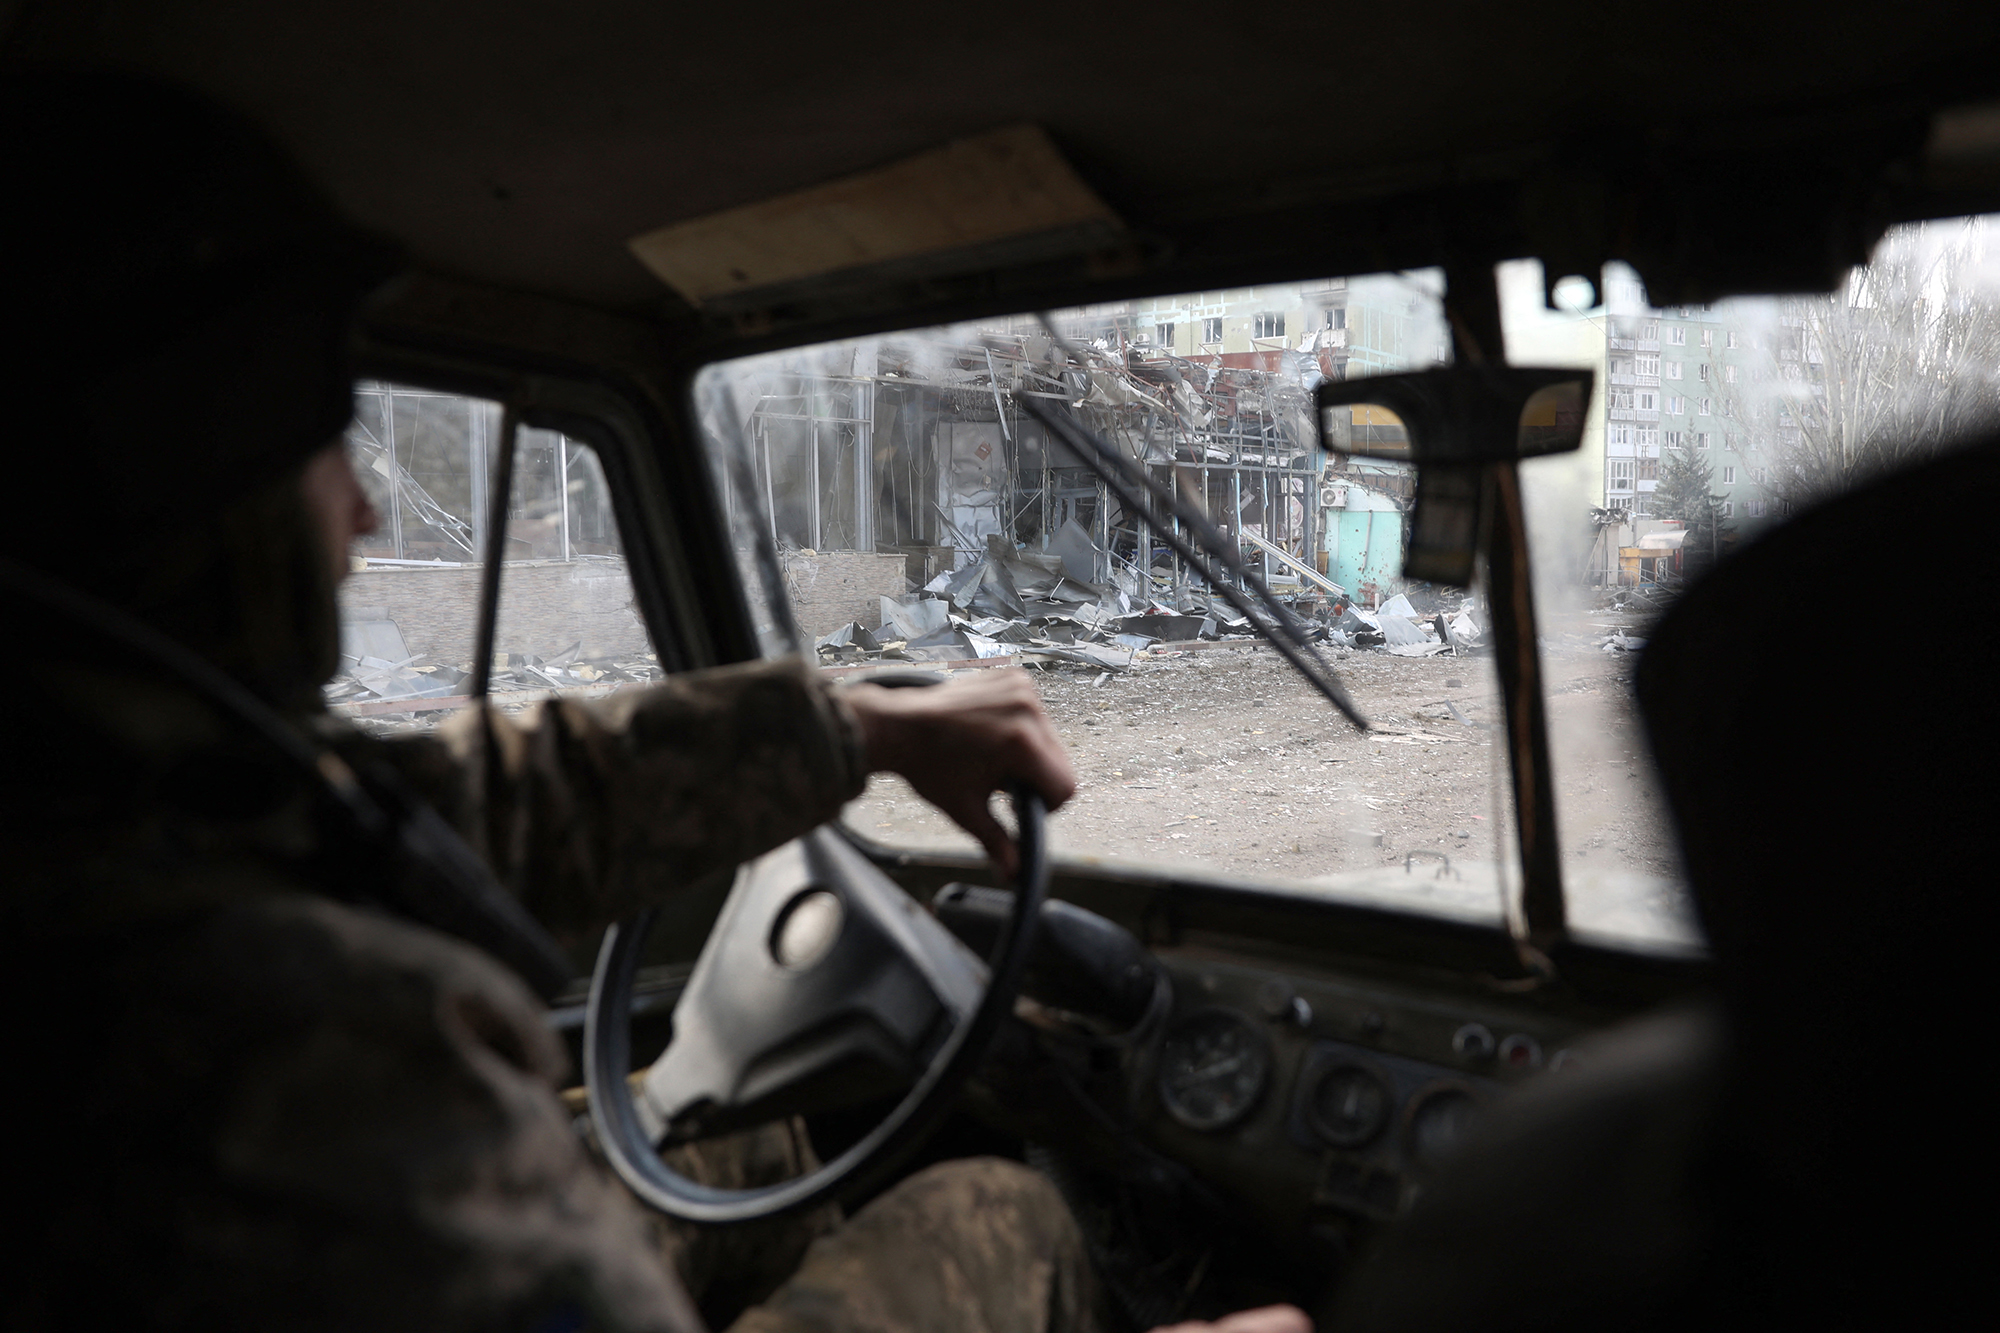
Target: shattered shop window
[[410, 602], [909, 499]]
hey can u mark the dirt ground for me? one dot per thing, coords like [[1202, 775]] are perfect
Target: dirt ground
[[1223, 757], [1220, 759]]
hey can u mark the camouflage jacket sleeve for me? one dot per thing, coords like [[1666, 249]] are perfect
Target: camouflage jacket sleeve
[[590, 809]]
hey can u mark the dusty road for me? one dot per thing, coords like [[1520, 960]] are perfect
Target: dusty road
[[1223, 757]]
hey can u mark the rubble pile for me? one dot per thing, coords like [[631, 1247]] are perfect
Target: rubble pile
[[1400, 629], [1031, 608]]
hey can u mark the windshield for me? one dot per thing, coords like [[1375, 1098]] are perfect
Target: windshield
[[918, 510]]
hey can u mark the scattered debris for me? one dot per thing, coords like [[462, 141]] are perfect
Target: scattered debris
[[379, 669], [1031, 607]]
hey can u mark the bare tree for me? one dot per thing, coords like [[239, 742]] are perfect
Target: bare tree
[[1901, 361]]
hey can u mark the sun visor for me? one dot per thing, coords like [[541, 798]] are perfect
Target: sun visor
[[1007, 196]]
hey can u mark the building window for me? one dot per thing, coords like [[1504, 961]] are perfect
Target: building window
[[1268, 324], [1648, 400], [1673, 370], [1619, 471], [1649, 438], [1701, 439], [1622, 399], [1760, 475], [1677, 337], [1337, 319], [1702, 406], [1753, 509], [1676, 440], [1646, 365], [1649, 469], [1676, 404], [1701, 372], [1727, 509], [1733, 339], [1650, 330], [1729, 374], [1729, 476], [1211, 330], [1618, 433], [1708, 337], [1163, 334]]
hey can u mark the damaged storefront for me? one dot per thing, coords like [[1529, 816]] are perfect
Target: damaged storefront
[[918, 462]]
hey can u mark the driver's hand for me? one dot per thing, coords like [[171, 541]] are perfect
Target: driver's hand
[[1269, 1319], [959, 742]]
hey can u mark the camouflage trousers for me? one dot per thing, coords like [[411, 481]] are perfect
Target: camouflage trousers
[[978, 1245]]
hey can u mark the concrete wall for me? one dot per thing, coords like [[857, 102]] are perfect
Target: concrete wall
[[830, 588], [544, 608]]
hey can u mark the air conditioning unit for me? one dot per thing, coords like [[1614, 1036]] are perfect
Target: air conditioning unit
[[1332, 496]]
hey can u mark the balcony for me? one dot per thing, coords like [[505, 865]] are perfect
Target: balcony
[[1634, 413], [1637, 381], [1634, 344]]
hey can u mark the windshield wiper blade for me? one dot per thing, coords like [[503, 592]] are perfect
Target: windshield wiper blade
[[1134, 488]]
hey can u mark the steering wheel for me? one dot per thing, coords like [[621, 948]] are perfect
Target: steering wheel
[[818, 965]]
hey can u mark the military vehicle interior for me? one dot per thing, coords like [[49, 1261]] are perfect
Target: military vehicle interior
[[1240, 1080]]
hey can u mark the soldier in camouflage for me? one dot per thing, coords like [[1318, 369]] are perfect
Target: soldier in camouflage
[[261, 1103]]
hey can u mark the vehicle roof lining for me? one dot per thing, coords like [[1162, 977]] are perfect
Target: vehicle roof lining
[[517, 146]]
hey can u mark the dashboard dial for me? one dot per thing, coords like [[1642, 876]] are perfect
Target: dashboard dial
[[1438, 1121], [1349, 1105], [1213, 1067]]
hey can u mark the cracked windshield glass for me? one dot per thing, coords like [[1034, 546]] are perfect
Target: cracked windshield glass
[[917, 511]]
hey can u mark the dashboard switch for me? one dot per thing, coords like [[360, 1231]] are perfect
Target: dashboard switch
[[1282, 1004]]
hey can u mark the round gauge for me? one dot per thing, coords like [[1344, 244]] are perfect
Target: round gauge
[[1349, 1106], [1213, 1067], [1438, 1121]]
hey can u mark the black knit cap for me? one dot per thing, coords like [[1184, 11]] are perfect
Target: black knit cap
[[179, 299]]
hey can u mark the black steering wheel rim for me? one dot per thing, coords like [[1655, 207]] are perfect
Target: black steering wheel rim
[[629, 1149]]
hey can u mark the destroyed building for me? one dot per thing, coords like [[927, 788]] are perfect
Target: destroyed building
[[916, 457]]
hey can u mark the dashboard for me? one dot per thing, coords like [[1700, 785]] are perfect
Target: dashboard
[[1326, 1101]]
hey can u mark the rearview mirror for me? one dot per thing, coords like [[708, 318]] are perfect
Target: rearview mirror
[[1454, 423], [1457, 414]]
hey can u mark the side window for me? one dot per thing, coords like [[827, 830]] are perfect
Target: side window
[[410, 602], [568, 621]]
